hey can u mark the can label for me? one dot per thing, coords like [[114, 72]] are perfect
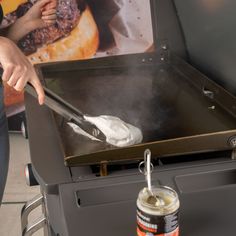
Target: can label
[[155, 225]]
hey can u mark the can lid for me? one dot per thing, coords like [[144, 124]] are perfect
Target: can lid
[[164, 201]]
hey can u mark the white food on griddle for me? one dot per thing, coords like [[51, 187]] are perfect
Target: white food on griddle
[[117, 132]]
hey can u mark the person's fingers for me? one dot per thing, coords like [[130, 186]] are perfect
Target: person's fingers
[[22, 80], [7, 73], [49, 22], [42, 3], [13, 80], [49, 12], [19, 72], [20, 83], [49, 17], [39, 90], [51, 5]]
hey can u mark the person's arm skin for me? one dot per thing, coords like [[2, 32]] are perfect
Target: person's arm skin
[[17, 68], [41, 14]]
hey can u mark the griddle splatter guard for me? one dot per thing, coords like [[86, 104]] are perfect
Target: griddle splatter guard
[[178, 109]]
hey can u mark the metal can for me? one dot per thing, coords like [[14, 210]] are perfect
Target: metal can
[[157, 214]]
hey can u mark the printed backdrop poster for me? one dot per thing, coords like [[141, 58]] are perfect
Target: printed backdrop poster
[[83, 29]]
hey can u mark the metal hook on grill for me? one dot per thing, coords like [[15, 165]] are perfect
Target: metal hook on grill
[[148, 166]]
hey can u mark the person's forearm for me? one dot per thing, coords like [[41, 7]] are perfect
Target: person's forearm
[[19, 29]]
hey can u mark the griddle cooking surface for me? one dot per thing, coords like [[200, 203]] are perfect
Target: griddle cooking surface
[[155, 98]]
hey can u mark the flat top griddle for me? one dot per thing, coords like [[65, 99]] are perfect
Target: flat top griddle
[[156, 97]]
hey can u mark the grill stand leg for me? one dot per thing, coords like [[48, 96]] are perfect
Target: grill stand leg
[[38, 224], [41, 222]]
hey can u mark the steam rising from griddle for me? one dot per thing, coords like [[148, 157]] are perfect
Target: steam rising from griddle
[[137, 96]]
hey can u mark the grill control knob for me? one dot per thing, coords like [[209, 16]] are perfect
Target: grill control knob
[[232, 141]]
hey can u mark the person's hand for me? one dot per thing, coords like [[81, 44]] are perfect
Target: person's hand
[[41, 14], [17, 69], [49, 12]]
